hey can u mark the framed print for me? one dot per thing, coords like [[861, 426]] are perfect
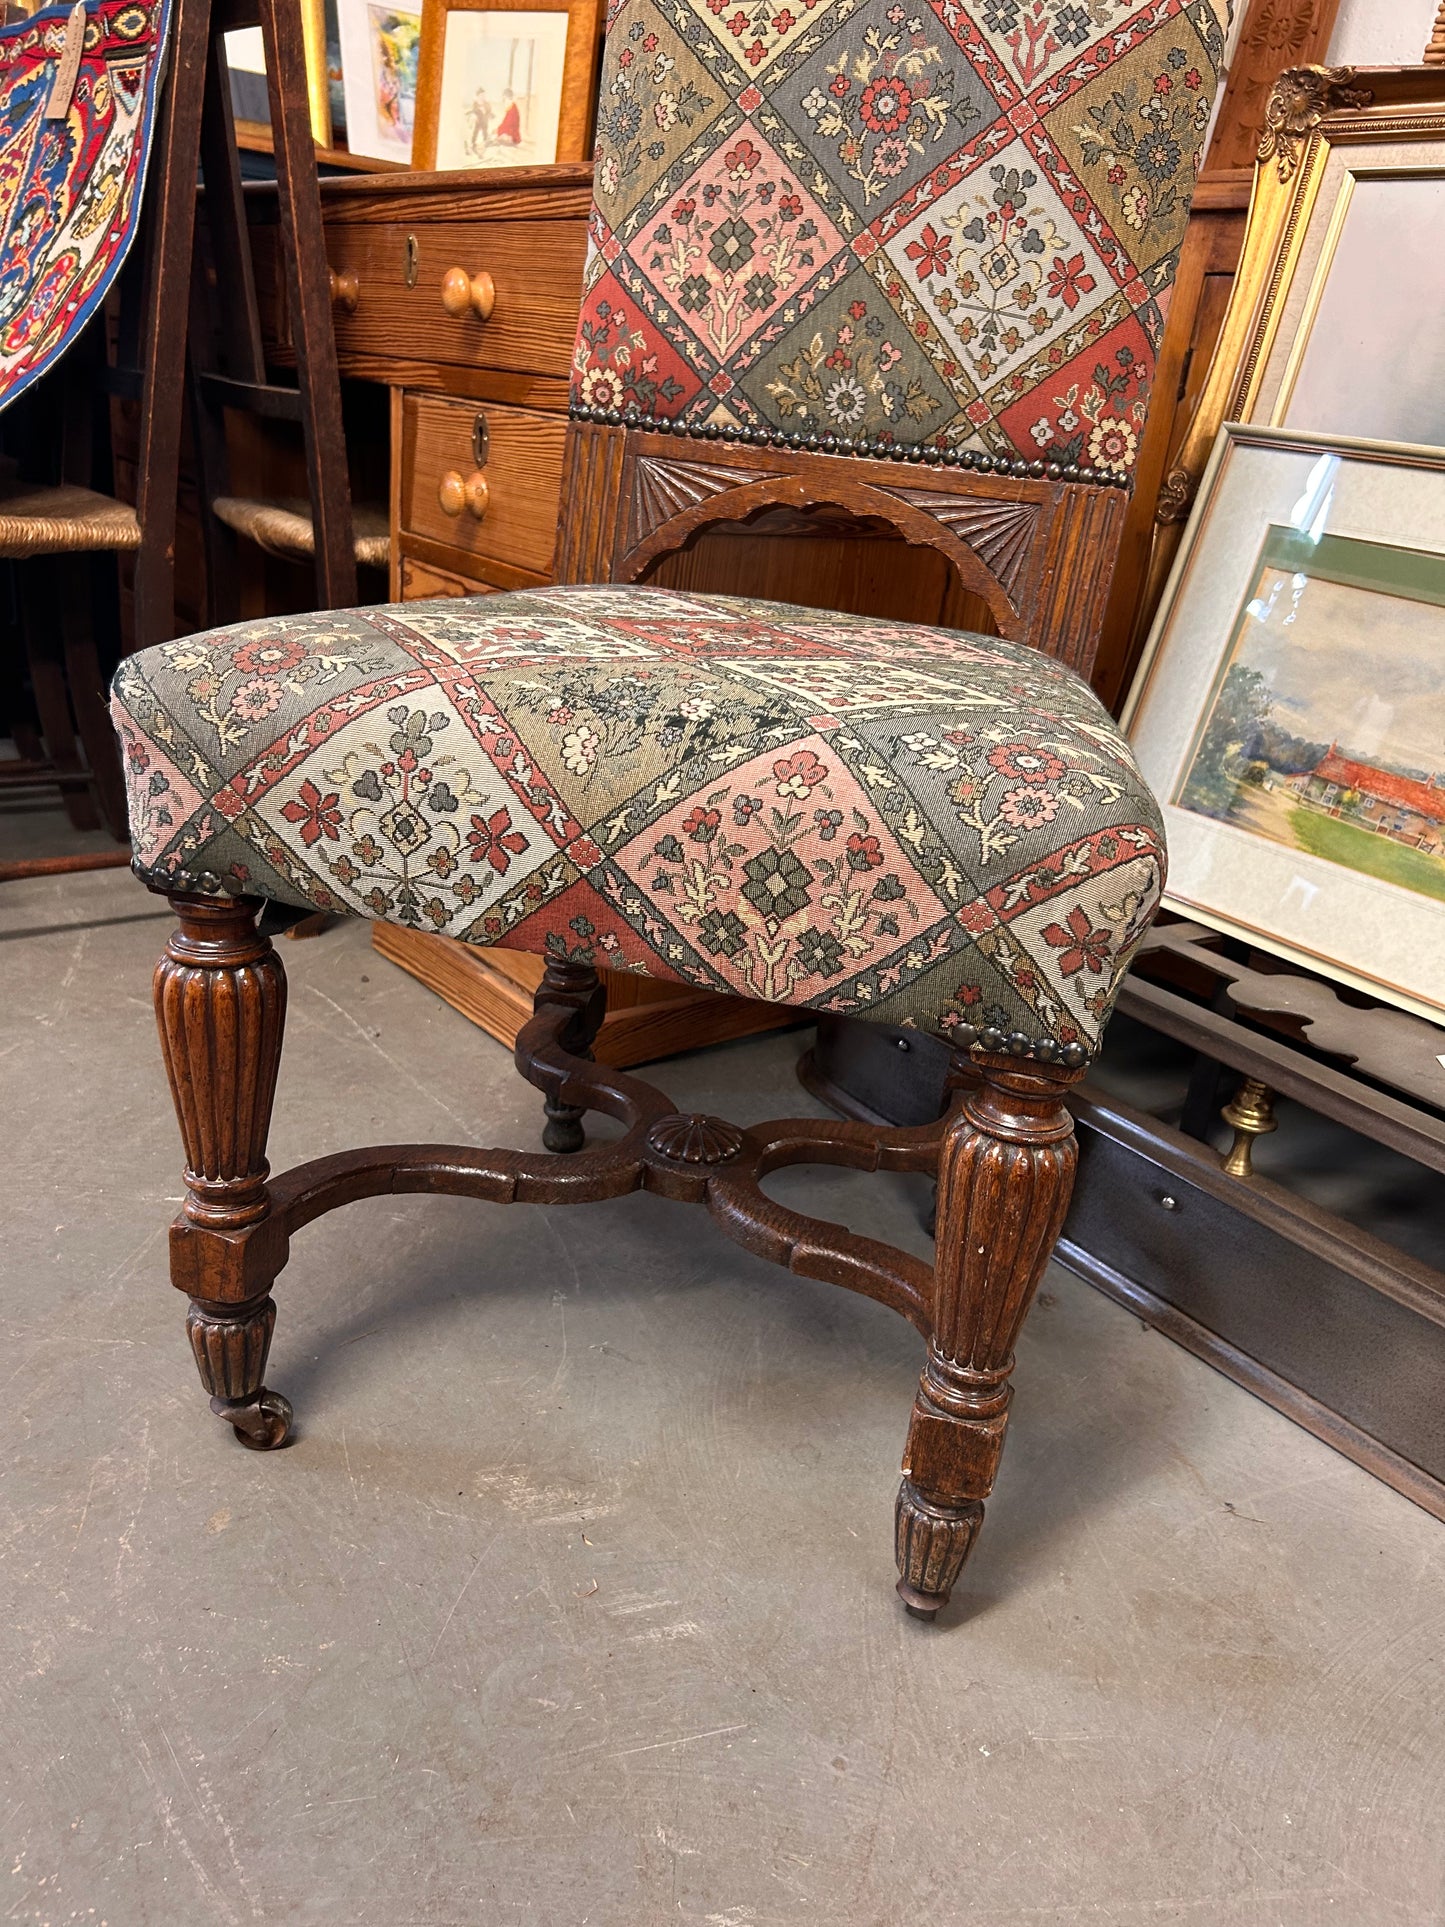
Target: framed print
[[1290, 709], [506, 86], [246, 62], [380, 55]]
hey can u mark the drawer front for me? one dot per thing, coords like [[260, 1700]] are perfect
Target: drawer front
[[398, 312], [1348, 1345], [521, 468], [421, 580]]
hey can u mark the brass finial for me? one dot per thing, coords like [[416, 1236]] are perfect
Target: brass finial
[[1250, 1115]]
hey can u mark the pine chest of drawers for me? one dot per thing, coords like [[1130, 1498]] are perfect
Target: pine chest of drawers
[[459, 293]]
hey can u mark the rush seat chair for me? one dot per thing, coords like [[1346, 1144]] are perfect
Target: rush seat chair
[[908, 258]]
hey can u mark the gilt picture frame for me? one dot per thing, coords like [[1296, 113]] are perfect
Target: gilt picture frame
[[246, 63], [1330, 132], [504, 84], [1289, 712]]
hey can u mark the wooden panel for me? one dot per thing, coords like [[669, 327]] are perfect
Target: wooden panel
[[523, 472], [538, 293], [1034, 551], [557, 191], [1275, 34], [446, 378], [645, 1019], [588, 544], [848, 568]]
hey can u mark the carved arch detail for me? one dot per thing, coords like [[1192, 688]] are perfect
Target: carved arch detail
[[663, 487], [934, 520], [999, 533]]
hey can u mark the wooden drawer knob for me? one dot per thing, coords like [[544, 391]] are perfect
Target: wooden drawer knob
[[464, 294], [345, 290], [456, 492]]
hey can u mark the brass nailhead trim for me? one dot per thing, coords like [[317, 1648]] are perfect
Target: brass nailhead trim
[[829, 444]]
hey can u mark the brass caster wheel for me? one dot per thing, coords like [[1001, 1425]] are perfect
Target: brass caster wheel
[[261, 1423]]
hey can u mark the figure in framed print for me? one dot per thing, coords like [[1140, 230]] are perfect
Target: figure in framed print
[[501, 89], [504, 87]]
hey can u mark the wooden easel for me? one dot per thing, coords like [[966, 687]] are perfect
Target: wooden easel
[[196, 126]]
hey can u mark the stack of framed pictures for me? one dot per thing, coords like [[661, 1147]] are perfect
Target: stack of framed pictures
[[445, 84], [1290, 708]]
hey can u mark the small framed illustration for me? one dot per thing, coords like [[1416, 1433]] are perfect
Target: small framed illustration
[[1289, 712], [380, 56], [506, 86]]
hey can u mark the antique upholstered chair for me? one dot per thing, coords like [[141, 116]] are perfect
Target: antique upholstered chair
[[933, 239]]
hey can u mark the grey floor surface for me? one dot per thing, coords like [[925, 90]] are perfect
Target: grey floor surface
[[573, 1601]]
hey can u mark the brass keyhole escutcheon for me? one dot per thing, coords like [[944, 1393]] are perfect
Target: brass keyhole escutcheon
[[481, 440], [412, 260]]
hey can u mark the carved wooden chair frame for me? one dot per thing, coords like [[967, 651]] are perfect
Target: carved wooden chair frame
[[1003, 1156], [1019, 535]]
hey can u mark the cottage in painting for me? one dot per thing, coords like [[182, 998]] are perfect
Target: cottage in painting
[[1400, 807]]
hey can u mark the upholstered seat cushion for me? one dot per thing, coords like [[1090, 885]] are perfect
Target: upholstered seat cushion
[[904, 823]]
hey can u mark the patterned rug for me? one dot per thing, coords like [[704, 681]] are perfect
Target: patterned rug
[[70, 178]]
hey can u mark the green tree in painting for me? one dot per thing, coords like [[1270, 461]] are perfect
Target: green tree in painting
[[1241, 708]]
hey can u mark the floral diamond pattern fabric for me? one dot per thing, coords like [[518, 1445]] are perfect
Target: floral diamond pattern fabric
[[948, 223], [864, 817]]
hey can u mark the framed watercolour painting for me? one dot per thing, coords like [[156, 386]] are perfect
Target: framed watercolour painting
[[506, 86], [1290, 709], [380, 56]]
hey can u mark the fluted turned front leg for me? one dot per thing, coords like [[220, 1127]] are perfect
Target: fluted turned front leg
[[576, 986], [1004, 1177], [220, 997]]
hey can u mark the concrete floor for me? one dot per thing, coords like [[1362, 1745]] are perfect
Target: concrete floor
[[573, 1601]]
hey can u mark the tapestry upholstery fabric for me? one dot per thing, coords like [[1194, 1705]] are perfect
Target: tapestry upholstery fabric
[[947, 225], [70, 187], [865, 817]]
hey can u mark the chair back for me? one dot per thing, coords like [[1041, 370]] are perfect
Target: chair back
[[941, 233]]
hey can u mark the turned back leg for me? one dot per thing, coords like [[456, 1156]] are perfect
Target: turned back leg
[[1004, 1177], [574, 986]]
